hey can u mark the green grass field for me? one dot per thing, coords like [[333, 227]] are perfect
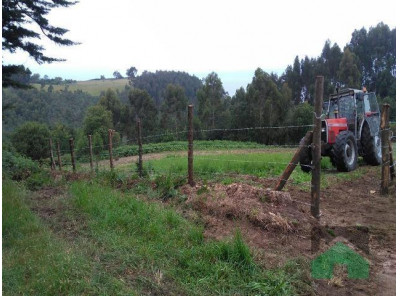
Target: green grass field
[[215, 164], [265, 165], [93, 87], [171, 146]]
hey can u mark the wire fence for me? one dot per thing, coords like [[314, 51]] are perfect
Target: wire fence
[[204, 150]]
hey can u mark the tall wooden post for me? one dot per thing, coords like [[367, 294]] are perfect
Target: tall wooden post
[[59, 155], [190, 146], [90, 152], [71, 147], [316, 148], [385, 134], [110, 134], [139, 136], [53, 164]]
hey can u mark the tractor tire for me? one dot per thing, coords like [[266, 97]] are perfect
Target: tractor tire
[[371, 147], [344, 152], [306, 160]]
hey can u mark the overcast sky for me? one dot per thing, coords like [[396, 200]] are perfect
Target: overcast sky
[[232, 38]]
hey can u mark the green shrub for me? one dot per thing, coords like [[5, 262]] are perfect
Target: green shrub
[[32, 140], [18, 167]]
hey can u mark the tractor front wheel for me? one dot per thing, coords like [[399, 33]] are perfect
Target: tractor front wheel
[[344, 152]]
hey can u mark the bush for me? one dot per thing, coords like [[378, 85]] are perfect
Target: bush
[[32, 140], [17, 167]]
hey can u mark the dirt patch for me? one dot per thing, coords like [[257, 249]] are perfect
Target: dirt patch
[[280, 227], [49, 204]]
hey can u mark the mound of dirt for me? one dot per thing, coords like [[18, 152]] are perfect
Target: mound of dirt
[[263, 208]]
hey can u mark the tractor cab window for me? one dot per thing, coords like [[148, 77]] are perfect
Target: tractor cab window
[[332, 109], [347, 108], [370, 103]]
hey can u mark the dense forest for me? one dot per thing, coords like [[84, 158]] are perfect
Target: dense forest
[[156, 83], [160, 99]]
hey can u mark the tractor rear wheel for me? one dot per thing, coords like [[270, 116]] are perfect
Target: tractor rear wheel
[[371, 145], [344, 152]]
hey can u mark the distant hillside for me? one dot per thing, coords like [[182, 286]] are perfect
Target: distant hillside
[[154, 83], [67, 102], [93, 87], [66, 107]]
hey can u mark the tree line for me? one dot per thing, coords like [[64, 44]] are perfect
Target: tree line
[[160, 99]]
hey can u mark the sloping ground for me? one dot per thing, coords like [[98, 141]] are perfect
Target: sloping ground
[[280, 227]]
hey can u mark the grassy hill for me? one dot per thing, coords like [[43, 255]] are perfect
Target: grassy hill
[[93, 87]]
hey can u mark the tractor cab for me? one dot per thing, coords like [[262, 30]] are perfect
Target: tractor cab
[[350, 109], [351, 128], [341, 114]]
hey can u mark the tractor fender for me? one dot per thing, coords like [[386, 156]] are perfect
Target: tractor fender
[[373, 124]]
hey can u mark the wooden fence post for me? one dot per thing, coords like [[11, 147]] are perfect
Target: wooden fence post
[[59, 155], [90, 152], [385, 134], [190, 146], [139, 136], [53, 164], [71, 147], [303, 148], [316, 148], [110, 134]]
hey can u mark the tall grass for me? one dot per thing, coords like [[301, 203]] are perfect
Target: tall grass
[[35, 262], [168, 251]]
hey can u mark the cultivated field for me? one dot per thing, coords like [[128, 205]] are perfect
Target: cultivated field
[[115, 233], [93, 87]]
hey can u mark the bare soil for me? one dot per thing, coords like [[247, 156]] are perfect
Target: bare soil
[[280, 227]]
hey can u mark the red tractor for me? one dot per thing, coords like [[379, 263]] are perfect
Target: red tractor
[[350, 128]]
